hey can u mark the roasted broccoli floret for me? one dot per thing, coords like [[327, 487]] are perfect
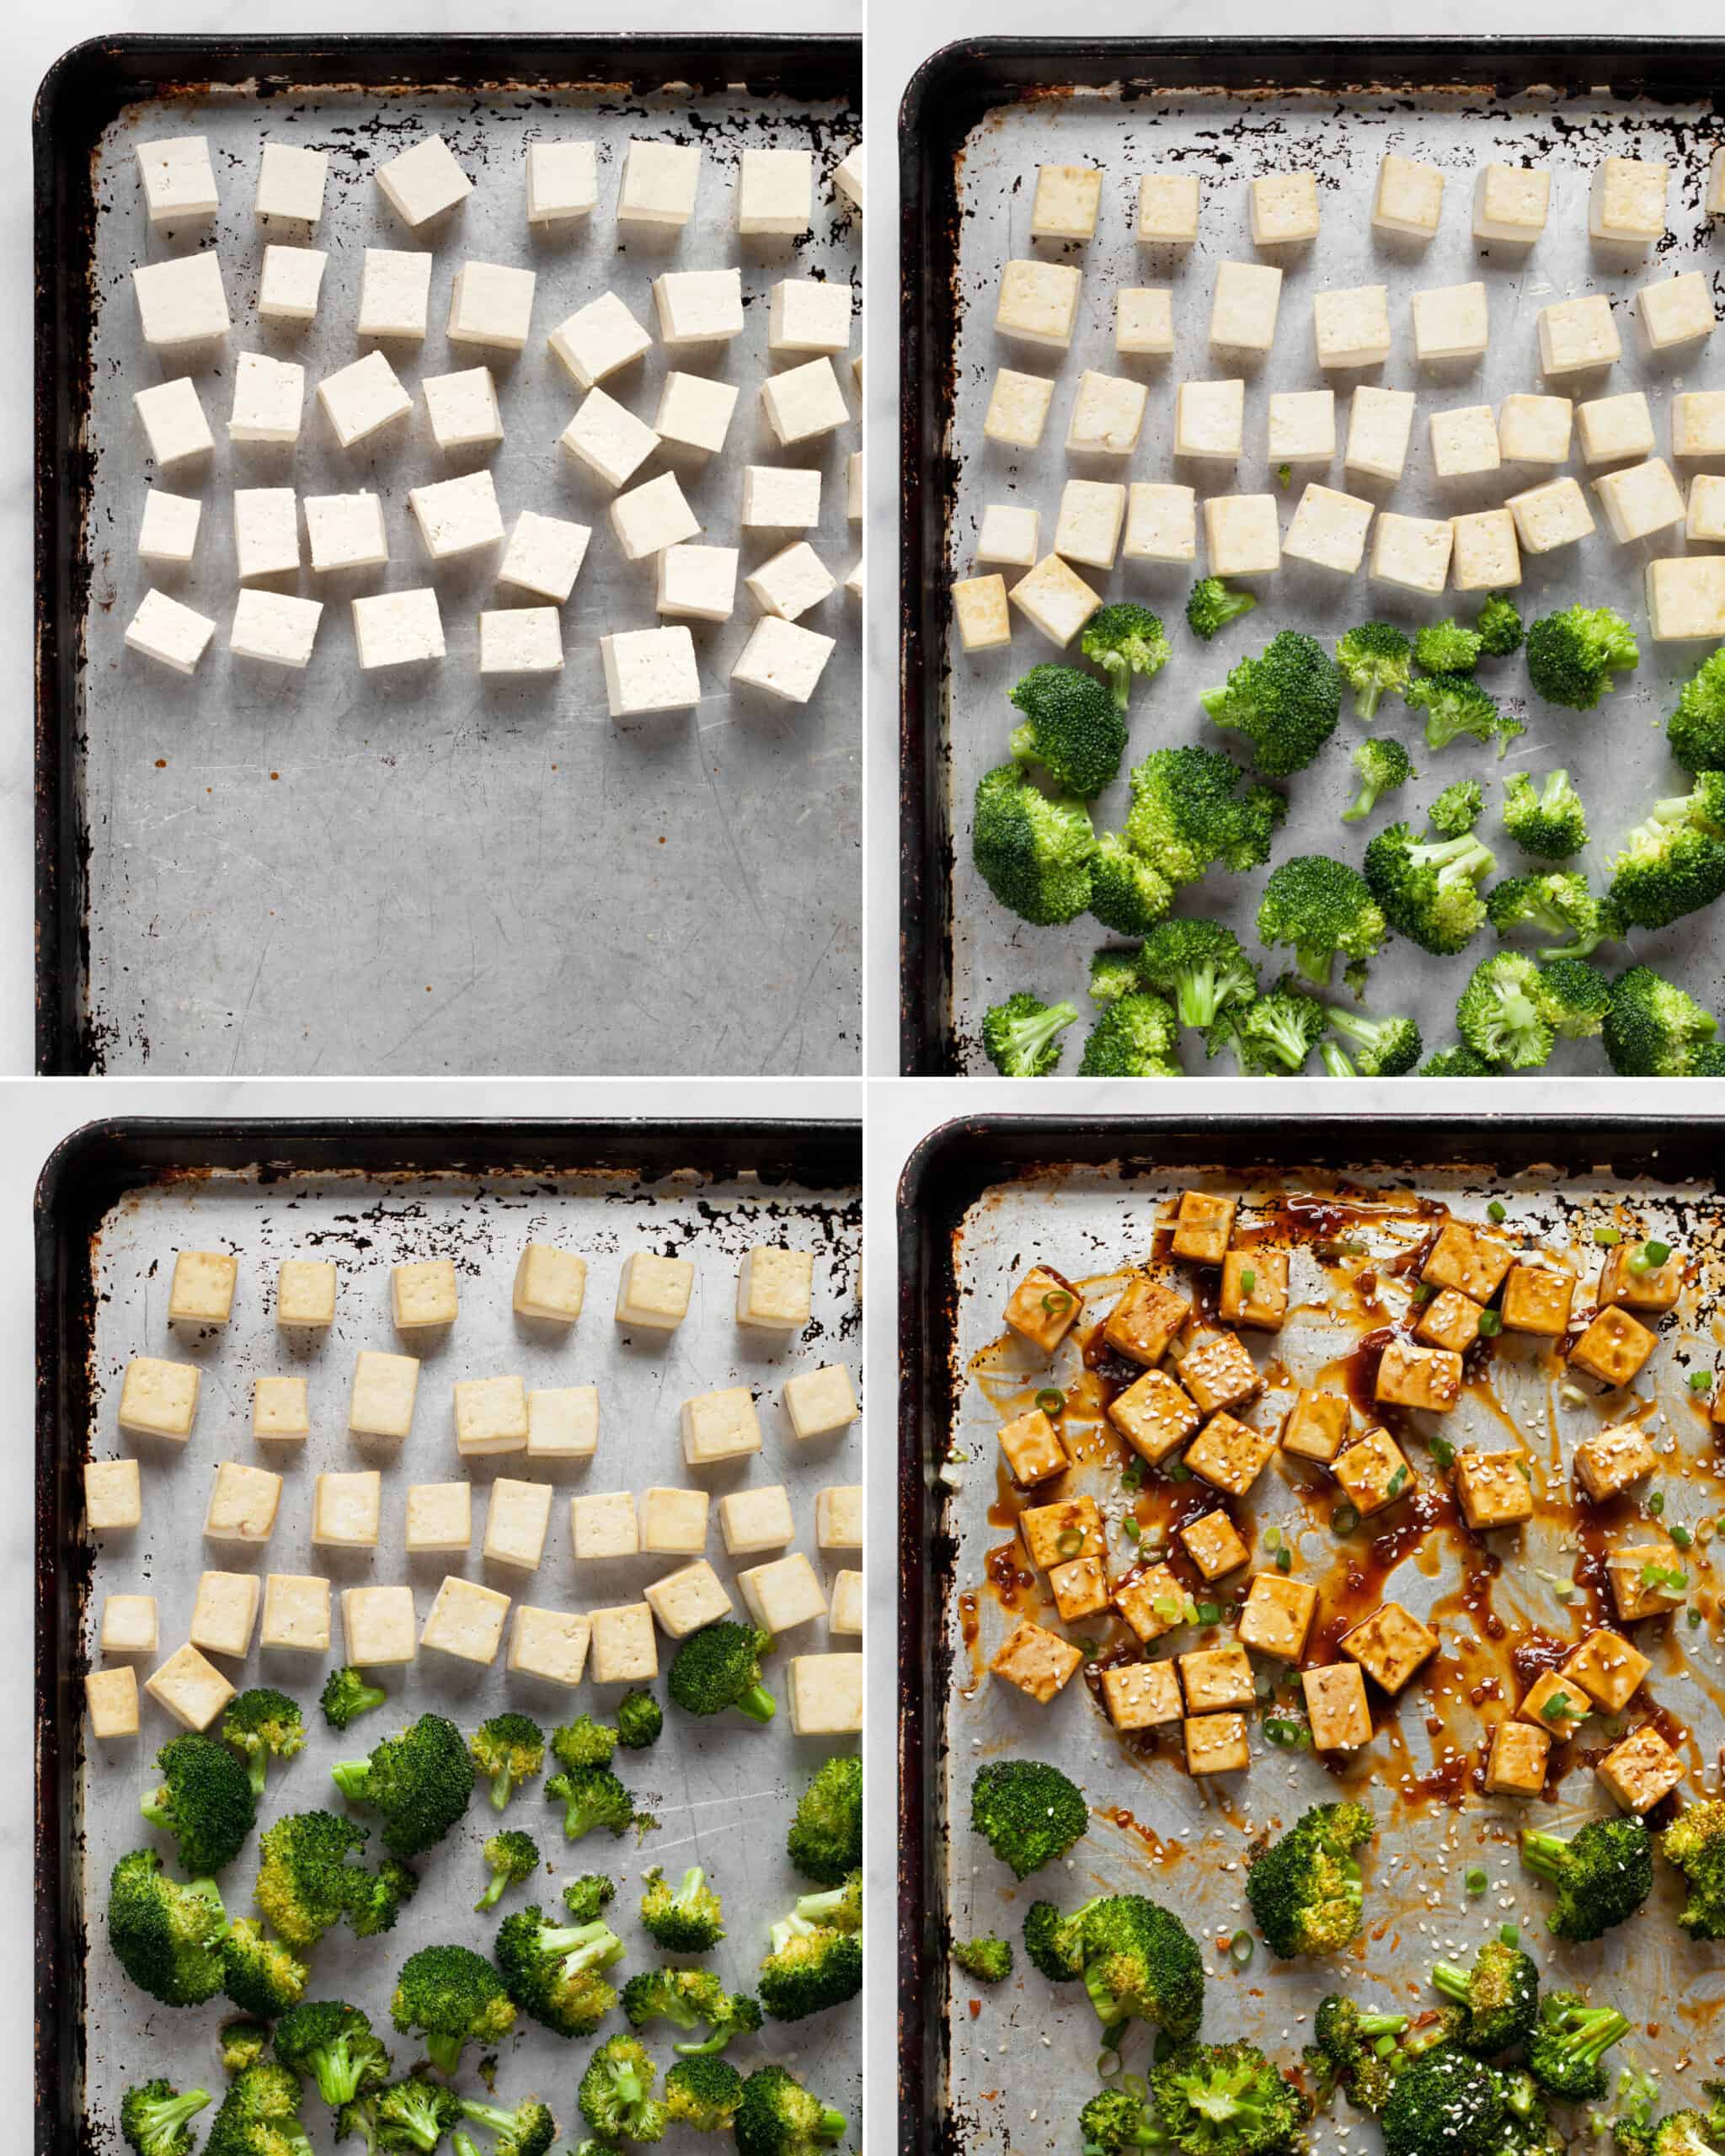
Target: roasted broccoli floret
[[1376, 661], [1428, 889], [688, 1919], [1499, 627], [731, 2014], [244, 2043], [1189, 811], [1117, 2120], [1072, 728], [413, 2113], [1498, 1013], [1574, 998], [1224, 2100], [1383, 765], [825, 1842], [1455, 704], [155, 2118], [583, 1742], [259, 2115], [1033, 851], [1319, 907], [1457, 1061], [702, 2093], [451, 1996], [1304, 1889], [808, 1967], [258, 1974], [719, 1667], [333, 2043], [1696, 728], [1028, 1812], [1457, 808], [686, 1997], [1695, 1842], [616, 2094], [262, 1725], [588, 1897], [1603, 1873], [989, 1959], [375, 1898], [777, 2116], [1558, 903], [1128, 893], [556, 1973], [1447, 648], [166, 1936], [592, 1797], [1443, 2103], [1567, 2048], [511, 1857], [1652, 1029], [205, 1801], [1285, 701], [1199, 965], [639, 1720], [1499, 1996], [1272, 1037], [1674, 862], [1573, 657], [1022, 1035], [1055, 1943], [1140, 1963], [1211, 606], [1135, 1037], [1383, 1047], [1550, 822], [1348, 2041], [1124, 639], [421, 1781], [508, 1749], [1113, 973], [528, 2130], [305, 1881], [347, 1696]]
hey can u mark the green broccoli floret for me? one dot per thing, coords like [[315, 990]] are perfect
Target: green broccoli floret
[[166, 1936], [1573, 657], [1455, 704], [1499, 1996], [1558, 903], [1383, 1047], [421, 1780], [1224, 2100], [1135, 1037], [1304, 1889], [1652, 1029], [719, 1667], [1457, 808], [1446, 647], [686, 1997], [155, 2118], [583, 1742], [1695, 1842], [1032, 852], [205, 1801], [592, 1797], [1383, 765], [777, 2116], [1603, 1873], [639, 1720], [1054, 1943], [1199, 966], [413, 2113], [1319, 907], [347, 1696], [1499, 627], [244, 2043], [1428, 889], [1285, 701], [616, 2094], [588, 1897], [305, 1882], [1443, 2103], [451, 1996], [1674, 862], [258, 1974], [1498, 1013], [1567, 2048], [1141, 1964], [262, 1725], [1072, 728], [1574, 998], [688, 1919], [702, 2093], [1125, 638], [508, 1749], [1551, 822], [989, 1959], [1696, 728], [841, 1906], [375, 1899], [1376, 661], [1457, 1061], [1350, 2041], [1113, 973], [1128, 893], [1022, 1035], [512, 1857], [259, 2115], [1116, 2120], [809, 1968], [556, 1973], [1187, 813], [825, 1842], [528, 2130], [1211, 606], [1272, 1037], [333, 2043]]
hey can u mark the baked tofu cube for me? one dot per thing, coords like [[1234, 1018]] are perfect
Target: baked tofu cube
[[280, 1408], [305, 1291], [1515, 1765], [1467, 1258], [1147, 1318], [685, 1600], [194, 1691], [1373, 1471], [1214, 1678], [1336, 1707], [491, 1416], [718, 1426], [111, 1696], [114, 1498], [782, 1594], [824, 1694], [674, 1522], [1607, 1668], [551, 1643], [838, 1516], [1277, 1616], [129, 1625], [775, 1290], [385, 1389], [1495, 1490], [158, 1399], [550, 1283], [1419, 1377], [845, 1618], [1611, 1461], [653, 1296], [1254, 1288], [1203, 1227], [1632, 1279], [225, 1612], [1229, 1455], [1450, 1319], [1316, 1426], [345, 1510], [516, 1521], [1639, 1771], [1152, 1603], [242, 1503], [1536, 1298], [603, 1524], [1613, 1348], [202, 1291], [1080, 1588], [1141, 1694], [467, 1621], [1039, 1663], [821, 1403], [1644, 1579], [440, 1517], [563, 1422], [1033, 1449], [1552, 1704], [625, 1647], [378, 1627], [1043, 1308], [1214, 1545], [1054, 1534], [1215, 1744], [758, 1518], [1219, 1374], [1154, 1416], [1391, 1646], [296, 1613], [423, 1294]]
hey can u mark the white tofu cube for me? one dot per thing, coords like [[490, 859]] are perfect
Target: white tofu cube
[[1352, 327], [685, 1600], [788, 585], [268, 395], [821, 1403], [807, 314], [604, 1525], [1535, 429], [648, 670], [1168, 208], [112, 1495], [111, 1698], [179, 181], [1065, 202], [652, 517], [1676, 312], [1578, 336], [674, 1522], [1380, 422], [1705, 521], [201, 1292], [242, 1503], [1643, 499], [1055, 599], [1244, 306], [1686, 598], [266, 532], [163, 630], [838, 1516], [719, 1425], [423, 1294], [1107, 415], [467, 1621], [1714, 205], [424, 182], [1511, 203], [491, 1416], [544, 556], [516, 1522], [1009, 535], [1485, 556], [844, 1620], [551, 1643], [1144, 321], [1411, 551], [1451, 323], [825, 1692], [1301, 428], [803, 403], [1241, 535], [774, 499], [462, 409], [1626, 205], [1017, 408], [847, 177], [1162, 523], [598, 338], [158, 1399], [758, 1517], [658, 183], [1465, 442], [563, 182], [1087, 529], [1698, 423], [1616, 429], [775, 193], [128, 1624], [457, 517], [275, 630], [980, 612], [700, 582], [1553, 515], [1039, 303], [654, 1291], [280, 1408], [520, 640], [782, 1594], [290, 282], [625, 1647], [378, 1627], [345, 531], [395, 293], [1282, 209], [1409, 198], [296, 1613], [440, 1517], [699, 306], [174, 421], [694, 413], [384, 1388], [608, 439], [193, 1690], [360, 400], [347, 1509], [563, 1422], [783, 660], [1328, 530], [225, 1612], [181, 302], [491, 303]]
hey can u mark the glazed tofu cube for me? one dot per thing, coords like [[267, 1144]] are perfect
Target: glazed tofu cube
[[296, 1613], [1450, 1319], [1214, 1545], [1641, 1770], [980, 612], [720, 1426], [1080, 1588], [491, 1416], [1613, 1348], [242, 1503], [625, 1647], [775, 1290], [1409, 198], [1214, 1678], [1228, 1455], [1535, 430], [1042, 1307], [1254, 1288], [1055, 599], [1203, 1226], [1056, 1534], [1039, 1663], [1484, 555], [1154, 1416], [1626, 204], [280, 1409], [1147, 1318], [194, 1691], [113, 1499], [1219, 1374], [202, 1292], [467, 1621], [674, 1522], [128, 1624], [1039, 303], [1033, 1449], [423, 1294], [1494, 1489], [824, 1694], [821, 1403], [1611, 1461], [1336, 1707], [1577, 336], [345, 1510], [516, 1522], [1536, 1298], [1282, 209], [1215, 1744], [1391, 1646], [224, 1613], [551, 1643], [1515, 1765], [1607, 1668], [305, 1292], [603, 1524], [1467, 1258], [1152, 1603], [1412, 552], [756, 1518], [158, 1399], [440, 1517], [685, 1600], [783, 1593], [845, 1617], [1419, 1377], [653, 1294], [550, 1283], [1351, 328], [1277, 1616], [385, 1388], [1316, 1426], [111, 1697], [1141, 1694], [563, 1422], [1632, 1279], [1646, 1580], [1372, 1472], [1551, 1704]]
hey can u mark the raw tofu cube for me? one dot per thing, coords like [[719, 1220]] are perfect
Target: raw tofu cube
[[384, 1390], [783, 1593], [1147, 1318], [805, 402], [648, 670], [193, 1690], [756, 1518], [1153, 1604], [1626, 205], [1041, 1663], [242, 1503], [266, 532], [1162, 523], [395, 293], [1080, 1588], [1613, 429], [1380, 423], [1329, 530], [550, 1283], [1277, 1614], [1677, 312], [1419, 1377], [597, 339], [1009, 535], [1686, 598], [1066, 200], [720, 1426], [345, 531], [462, 409], [361, 399], [516, 1524], [1214, 1545], [128, 1624], [1242, 314], [1219, 1374], [775, 192], [1449, 1320], [980, 610], [1643, 1578], [1141, 1694], [700, 582], [804, 314], [1577, 336], [491, 303], [1451, 323], [1107, 415], [1282, 209], [1154, 1415], [562, 184], [1043, 1307], [1698, 423], [111, 1696], [174, 421], [1033, 1449], [563, 1422], [775, 1290], [1495, 1490], [225, 1612], [550, 1644], [1409, 198], [181, 301], [704, 306], [273, 629], [1373, 1471], [296, 1613], [268, 395], [1254, 1288], [1229, 1455], [1168, 208], [158, 1399], [821, 1403], [1611, 1461], [1469, 1259], [658, 183], [1316, 1426], [163, 630], [653, 1293], [1465, 442], [1551, 1704], [694, 413], [1017, 408], [292, 278], [1511, 203], [491, 1416], [1352, 327], [1485, 556], [1038, 302], [1706, 522], [1607, 1668], [346, 1509], [1144, 321], [1216, 1677], [467, 1621], [625, 1647], [1644, 499], [520, 640], [1515, 1765], [378, 1627], [1391, 1646], [1203, 1227], [424, 182], [179, 181], [1055, 599], [1535, 430], [838, 1516], [455, 517], [1714, 205], [440, 1517], [1215, 1744], [674, 1522], [1641, 1770], [824, 1694], [684, 1601], [1210, 421], [1241, 535], [1088, 527], [1054, 1534], [1302, 427], [604, 1525], [845, 1618], [1613, 1348], [1536, 1298], [112, 1495], [1631, 1278], [1336, 1707]]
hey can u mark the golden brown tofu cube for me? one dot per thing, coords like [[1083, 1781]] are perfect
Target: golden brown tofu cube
[[1277, 1616], [1631, 1277], [1469, 1259], [1556, 1703], [1613, 1348], [1229, 1455], [1216, 1677], [1493, 1489], [1039, 1663], [1141, 1694], [1152, 1603], [1154, 1416], [1203, 1227], [1054, 1534], [1450, 1319], [1043, 1308], [1214, 1545], [1215, 1744], [1645, 1581], [1516, 1763], [1032, 1448], [1255, 1289], [1607, 1668], [1316, 1425], [1610, 1461], [1336, 1707], [1144, 1320], [1419, 1377], [1640, 1769], [1373, 1470], [1219, 1374], [1536, 1298], [1391, 1646], [1079, 1589]]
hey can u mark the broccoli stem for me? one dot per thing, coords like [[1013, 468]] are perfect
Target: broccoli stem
[[830, 2125], [155, 1809], [1380, 2025], [757, 1703], [1108, 2007], [502, 1784], [463, 2143], [256, 1763], [350, 1778], [1596, 2031], [816, 1908], [1452, 1982], [1119, 674], [493, 1893], [1335, 1061], [492, 2115], [445, 2053], [625, 2082], [1544, 1854]]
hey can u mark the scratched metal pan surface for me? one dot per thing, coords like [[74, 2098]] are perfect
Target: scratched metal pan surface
[[723, 1792], [263, 870], [1229, 112], [1009, 2068]]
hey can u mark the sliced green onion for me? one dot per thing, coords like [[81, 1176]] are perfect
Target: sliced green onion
[[1132, 1475], [1560, 1707], [1131, 1529], [1248, 1281], [1134, 2084], [1525, 1471], [1050, 1401], [1497, 1209], [1509, 1934], [1491, 1324], [1656, 1252], [1284, 1561], [1209, 1613], [1344, 1519], [1701, 1381], [1398, 1481], [1167, 1608], [1069, 1541], [1682, 1537], [1383, 2046], [1476, 1882], [1424, 1291], [1273, 1538], [1056, 1301], [1108, 2063], [1695, 1615], [1277, 1730], [1240, 1949], [1179, 1472], [1443, 1452], [1603, 1238], [1655, 1502]]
